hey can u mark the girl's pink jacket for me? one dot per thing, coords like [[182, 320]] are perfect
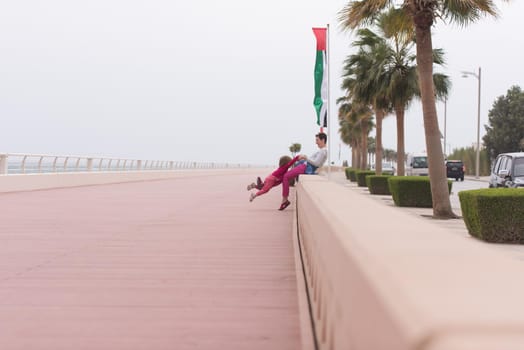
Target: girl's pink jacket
[[279, 173]]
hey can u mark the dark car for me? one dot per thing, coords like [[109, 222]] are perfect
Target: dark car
[[508, 170], [455, 169]]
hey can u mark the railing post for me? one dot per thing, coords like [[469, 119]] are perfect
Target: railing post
[[138, 165], [171, 164], [3, 164], [89, 164], [23, 164]]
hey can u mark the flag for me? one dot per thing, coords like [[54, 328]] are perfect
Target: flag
[[321, 79]]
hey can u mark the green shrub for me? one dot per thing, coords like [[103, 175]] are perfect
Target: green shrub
[[361, 177], [353, 175], [378, 184], [348, 171], [494, 214], [412, 191]]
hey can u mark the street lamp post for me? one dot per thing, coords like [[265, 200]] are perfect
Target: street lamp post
[[478, 76]]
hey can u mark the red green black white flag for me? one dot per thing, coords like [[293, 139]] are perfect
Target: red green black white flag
[[321, 77]]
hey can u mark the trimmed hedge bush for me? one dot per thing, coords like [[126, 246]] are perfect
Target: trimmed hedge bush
[[494, 214], [347, 171], [352, 175], [361, 177], [378, 184], [412, 191]]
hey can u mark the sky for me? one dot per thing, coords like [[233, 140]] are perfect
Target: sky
[[211, 81]]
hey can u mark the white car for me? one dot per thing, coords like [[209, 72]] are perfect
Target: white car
[[387, 168]]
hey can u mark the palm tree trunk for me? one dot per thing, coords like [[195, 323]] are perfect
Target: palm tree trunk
[[378, 141], [399, 112], [353, 156], [437, 172], [364, 163], [358, 157]]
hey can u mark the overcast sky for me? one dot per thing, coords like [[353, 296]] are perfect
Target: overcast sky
[[225, 81]]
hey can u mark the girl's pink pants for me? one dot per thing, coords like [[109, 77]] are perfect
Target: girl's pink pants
[[269, 182], [291, 174]]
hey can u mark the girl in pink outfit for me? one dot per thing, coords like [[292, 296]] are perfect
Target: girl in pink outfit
[[275, 178], [307, 165]]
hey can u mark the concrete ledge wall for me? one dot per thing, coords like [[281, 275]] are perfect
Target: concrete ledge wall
[[383, 278], [29, 182]]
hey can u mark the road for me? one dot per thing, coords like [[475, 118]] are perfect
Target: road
[[467, 184]]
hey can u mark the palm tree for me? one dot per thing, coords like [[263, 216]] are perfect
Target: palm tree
[[398, 75], [372, 151], [420, 15], [390, 67], [355, 123], [390, 155], [362, 116], [347, 131], [362, 86]]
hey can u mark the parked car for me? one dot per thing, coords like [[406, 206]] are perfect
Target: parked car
[[455, 169], [508, 170], [387, 168]]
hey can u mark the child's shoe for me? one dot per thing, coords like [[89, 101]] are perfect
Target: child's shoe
[[260, 184], [284, 205]]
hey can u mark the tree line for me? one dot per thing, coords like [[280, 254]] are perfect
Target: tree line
[[393, 67], [504, 133]]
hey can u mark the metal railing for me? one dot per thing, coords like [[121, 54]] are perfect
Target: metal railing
[[21, 163]]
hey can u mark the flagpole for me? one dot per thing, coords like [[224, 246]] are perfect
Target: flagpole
[[328, 109], [321, 100]]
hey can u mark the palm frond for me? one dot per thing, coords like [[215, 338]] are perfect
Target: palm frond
[[397, 23], [438, 56], [442, 85], [464, 12], [360, 13]]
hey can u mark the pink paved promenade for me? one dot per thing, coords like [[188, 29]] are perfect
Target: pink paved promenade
[[184, 263]]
